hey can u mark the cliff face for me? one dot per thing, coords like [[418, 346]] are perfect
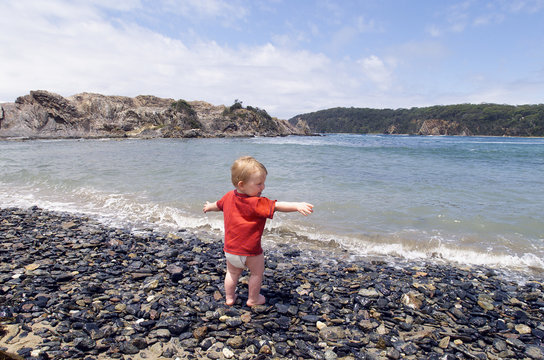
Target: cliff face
[[43, 114], [442, 127]]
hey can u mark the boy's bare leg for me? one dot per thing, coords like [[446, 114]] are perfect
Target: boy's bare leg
[[256, 268], [231, 279]]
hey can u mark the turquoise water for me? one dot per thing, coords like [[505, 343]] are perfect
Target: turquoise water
[[469, 200]]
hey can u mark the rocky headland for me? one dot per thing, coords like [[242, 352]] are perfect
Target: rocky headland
[[43, 114], [71, 288]]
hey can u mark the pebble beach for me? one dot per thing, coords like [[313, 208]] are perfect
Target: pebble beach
[[72, 288]]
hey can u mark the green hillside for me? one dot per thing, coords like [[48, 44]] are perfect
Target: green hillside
[[462, 119]]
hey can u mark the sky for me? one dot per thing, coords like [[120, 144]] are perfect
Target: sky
[[288, 57]]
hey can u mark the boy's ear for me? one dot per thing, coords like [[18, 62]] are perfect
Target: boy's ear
[[240, 184]]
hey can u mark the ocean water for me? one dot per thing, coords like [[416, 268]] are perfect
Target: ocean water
[[464, 200]]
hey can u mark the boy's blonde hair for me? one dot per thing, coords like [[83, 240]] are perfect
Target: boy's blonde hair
[[244, 167]]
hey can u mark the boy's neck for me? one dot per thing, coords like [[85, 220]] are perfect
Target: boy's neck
[[241, 192]]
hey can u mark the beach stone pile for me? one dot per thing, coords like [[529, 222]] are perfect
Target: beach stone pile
[[72, 288]]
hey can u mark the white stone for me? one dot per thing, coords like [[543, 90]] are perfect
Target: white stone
[[228, 353], [369, 292], [320, 325]]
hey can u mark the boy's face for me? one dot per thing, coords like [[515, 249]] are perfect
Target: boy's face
[[254, 186]]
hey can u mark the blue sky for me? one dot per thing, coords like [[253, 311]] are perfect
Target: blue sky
[[285, 56]]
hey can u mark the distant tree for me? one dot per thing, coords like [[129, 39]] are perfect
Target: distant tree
[[258, 111], [237, 105], [183, 106]]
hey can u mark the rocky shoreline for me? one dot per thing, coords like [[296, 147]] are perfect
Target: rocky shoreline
[[73, 288]]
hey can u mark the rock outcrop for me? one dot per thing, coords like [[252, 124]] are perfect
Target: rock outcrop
[[43, 114], [443, 127]]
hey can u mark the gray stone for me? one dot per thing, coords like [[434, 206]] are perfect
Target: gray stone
[[332, 333], [129, 348], [84, 343], [534, 352]]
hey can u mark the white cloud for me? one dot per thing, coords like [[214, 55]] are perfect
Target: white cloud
[[461, 16], [68, 54], [529, 6], [491, 18], [350, 32], [458, 16], [121, 5], [291, 39], [364, 26], [434, 30], [204, 8], [377, 71]]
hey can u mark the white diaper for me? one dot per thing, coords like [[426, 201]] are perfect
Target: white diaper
[[236, 260]]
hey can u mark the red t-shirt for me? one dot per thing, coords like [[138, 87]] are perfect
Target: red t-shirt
[[245, 217]]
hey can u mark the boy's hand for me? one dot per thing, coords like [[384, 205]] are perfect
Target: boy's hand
[[305, 208], [208, 206]]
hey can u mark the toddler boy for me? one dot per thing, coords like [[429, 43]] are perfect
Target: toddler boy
[[245, 212]]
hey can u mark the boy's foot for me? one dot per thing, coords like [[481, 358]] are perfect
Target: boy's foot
[[260, 301], [231, 302]]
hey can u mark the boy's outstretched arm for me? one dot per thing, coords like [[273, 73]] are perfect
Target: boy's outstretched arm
[[208, 206], [302, 207]]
